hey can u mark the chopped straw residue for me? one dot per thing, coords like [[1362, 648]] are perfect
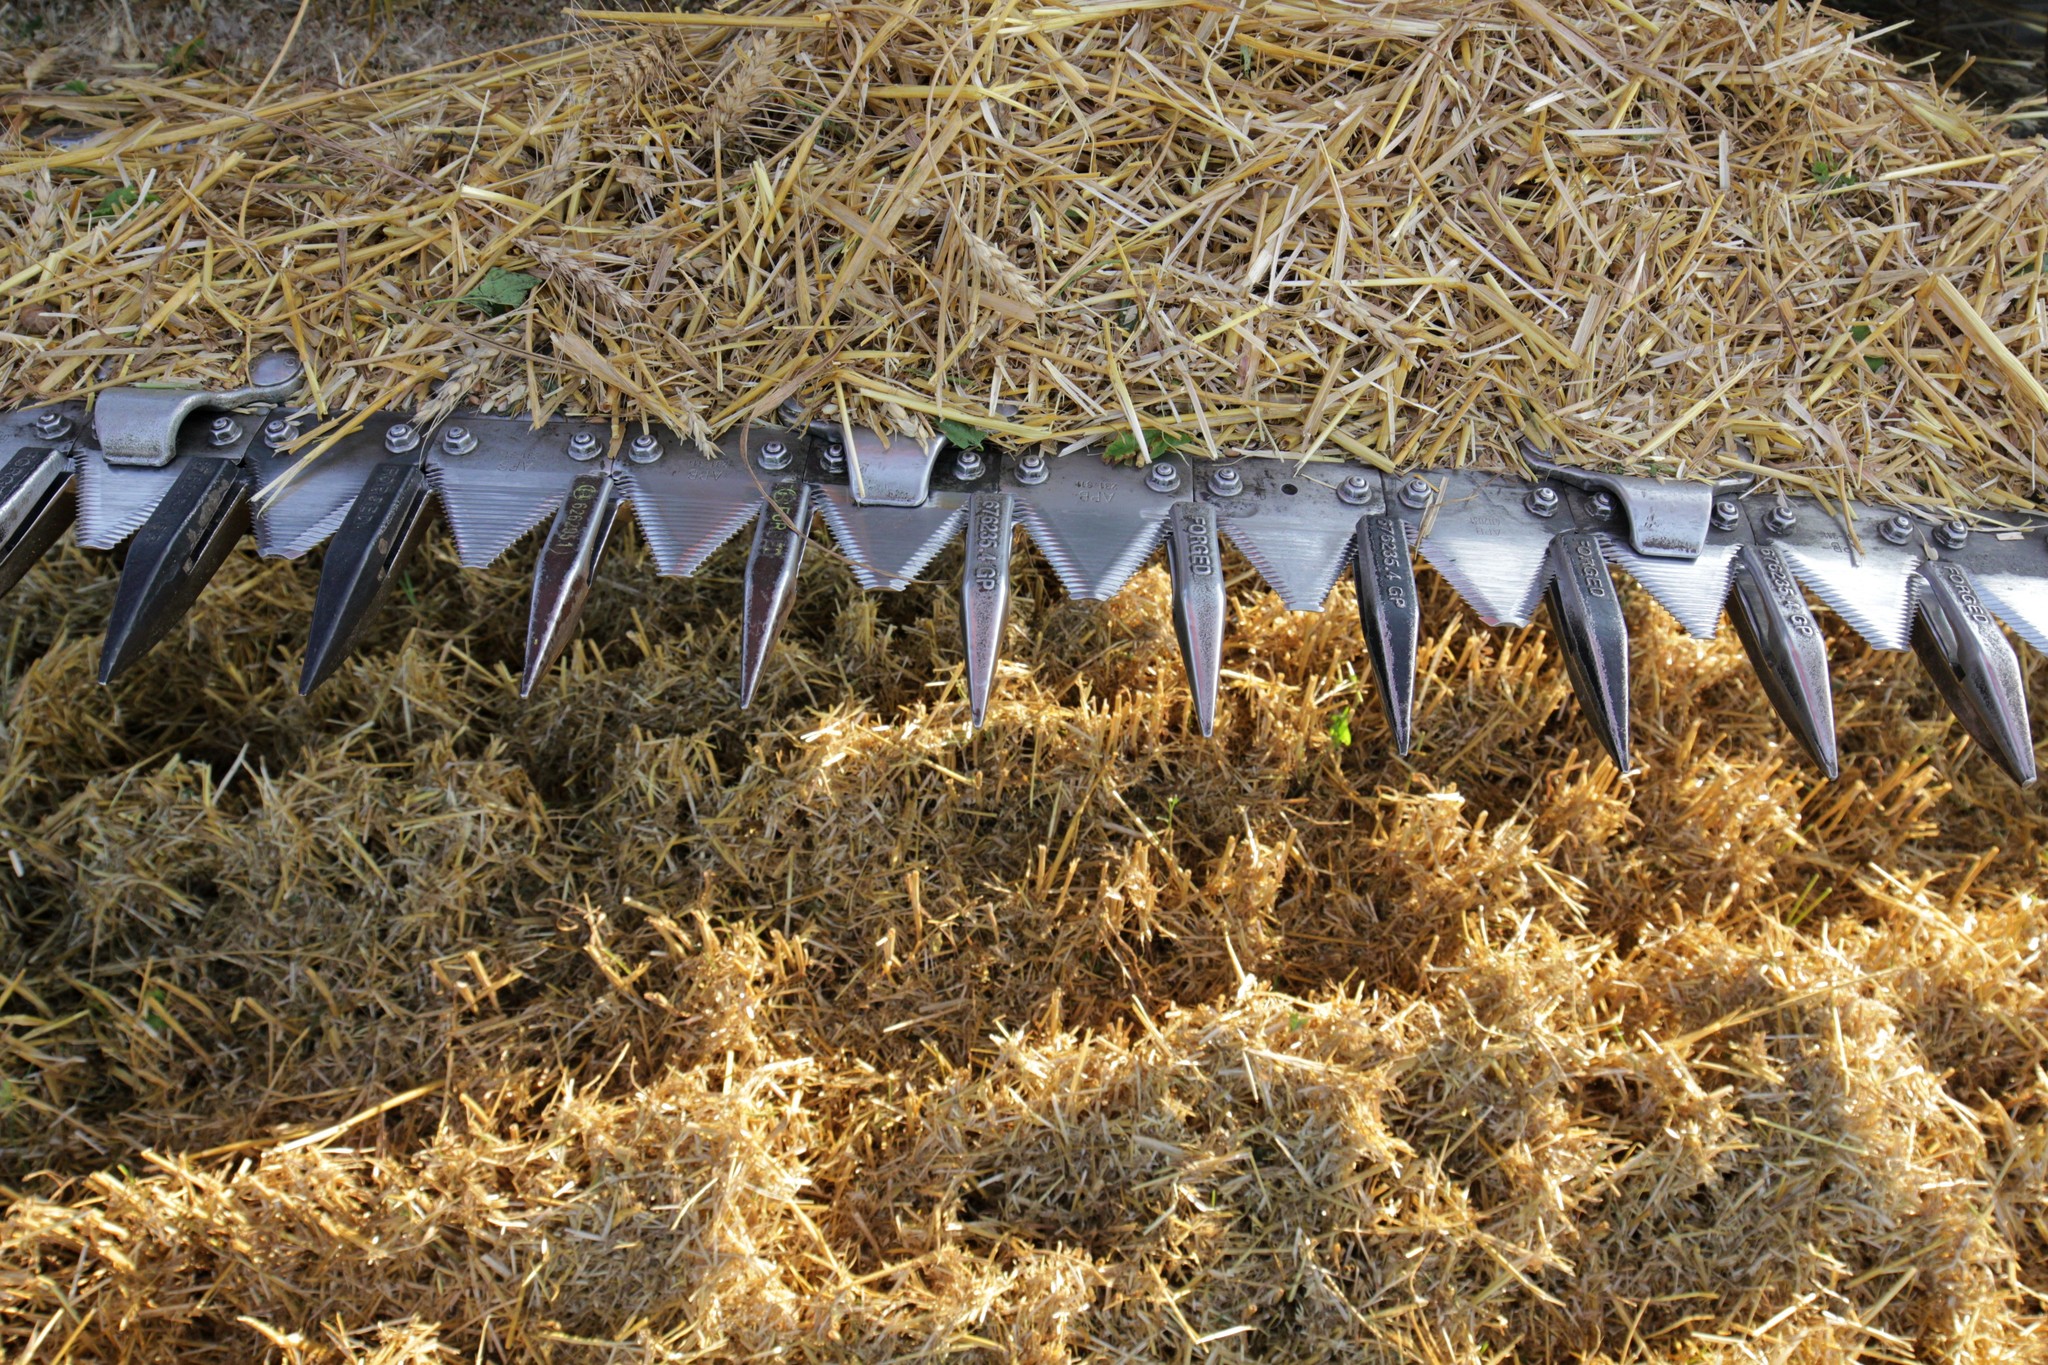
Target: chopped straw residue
[[417, 1025], [1693, 238]]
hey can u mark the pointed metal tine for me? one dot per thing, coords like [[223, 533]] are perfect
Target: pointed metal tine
[[985, 594], [780, 534], [568, 563], [36, 504], [173, 555], [1391, 617], [1973, 665], [1585, 611], [383, 527], [1786, 648], [1194, 560]]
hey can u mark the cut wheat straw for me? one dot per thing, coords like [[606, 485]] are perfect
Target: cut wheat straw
[[1680, 238]]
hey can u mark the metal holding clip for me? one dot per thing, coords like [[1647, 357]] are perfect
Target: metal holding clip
[[140, 425]]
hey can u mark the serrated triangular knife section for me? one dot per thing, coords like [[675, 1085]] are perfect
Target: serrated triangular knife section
[[688, 505], [1483, 539], [1095, 523], [1294, 523], [1868, 582], [1692, 590], [888, 547], [114, 501], [504, 479], [188, 476]]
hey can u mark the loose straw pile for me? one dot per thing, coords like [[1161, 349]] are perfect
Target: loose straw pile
[[1690, 238]]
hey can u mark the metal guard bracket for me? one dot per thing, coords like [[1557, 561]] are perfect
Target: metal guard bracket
[[892, 473], [1667, 518], [139, 426]]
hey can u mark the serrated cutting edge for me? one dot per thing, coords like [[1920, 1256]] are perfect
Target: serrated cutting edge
[[1693, 591], [1096, 523], [2021, 602], [488, 511], [688, 506], [310, 506], [113, 504], [1488, 547], [1872, 589], [1292, 526], [888, 547]]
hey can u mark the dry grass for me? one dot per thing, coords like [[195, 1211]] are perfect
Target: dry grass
[[1689, 238], [415, 1023]]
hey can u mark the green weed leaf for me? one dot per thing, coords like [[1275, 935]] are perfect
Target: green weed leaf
[[501, 290], [962, 435]]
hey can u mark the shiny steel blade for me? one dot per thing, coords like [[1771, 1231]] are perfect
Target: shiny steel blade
[[888, 547], [773, 560], [1492, 549], [174, 554], [1293, 524], [1390, 613], [301, 501], [2020, 600], [36, 504], [688, 505], [985, 593], [114, 501], [384, 526], [1096, 523], [1974, 667], [2010, 570], [1692, 590], [568, 562], [512, 481], [1586, 613], [1869, 587], [1786, 648], [1194, 559]]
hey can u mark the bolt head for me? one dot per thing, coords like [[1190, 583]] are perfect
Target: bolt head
[[1781, 519], [1416, 493], [583, 446], [279, 430], [1952, 535], [51, 425], [1897, 528], [1355, 491], [1033, 468], [1226, 482], [968, 464], [1542, 501], [457, 440], [1603, 506], [1727, 514], [775, 455], [223, 432], [644, 448], [400, 437], [1163, 478]]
